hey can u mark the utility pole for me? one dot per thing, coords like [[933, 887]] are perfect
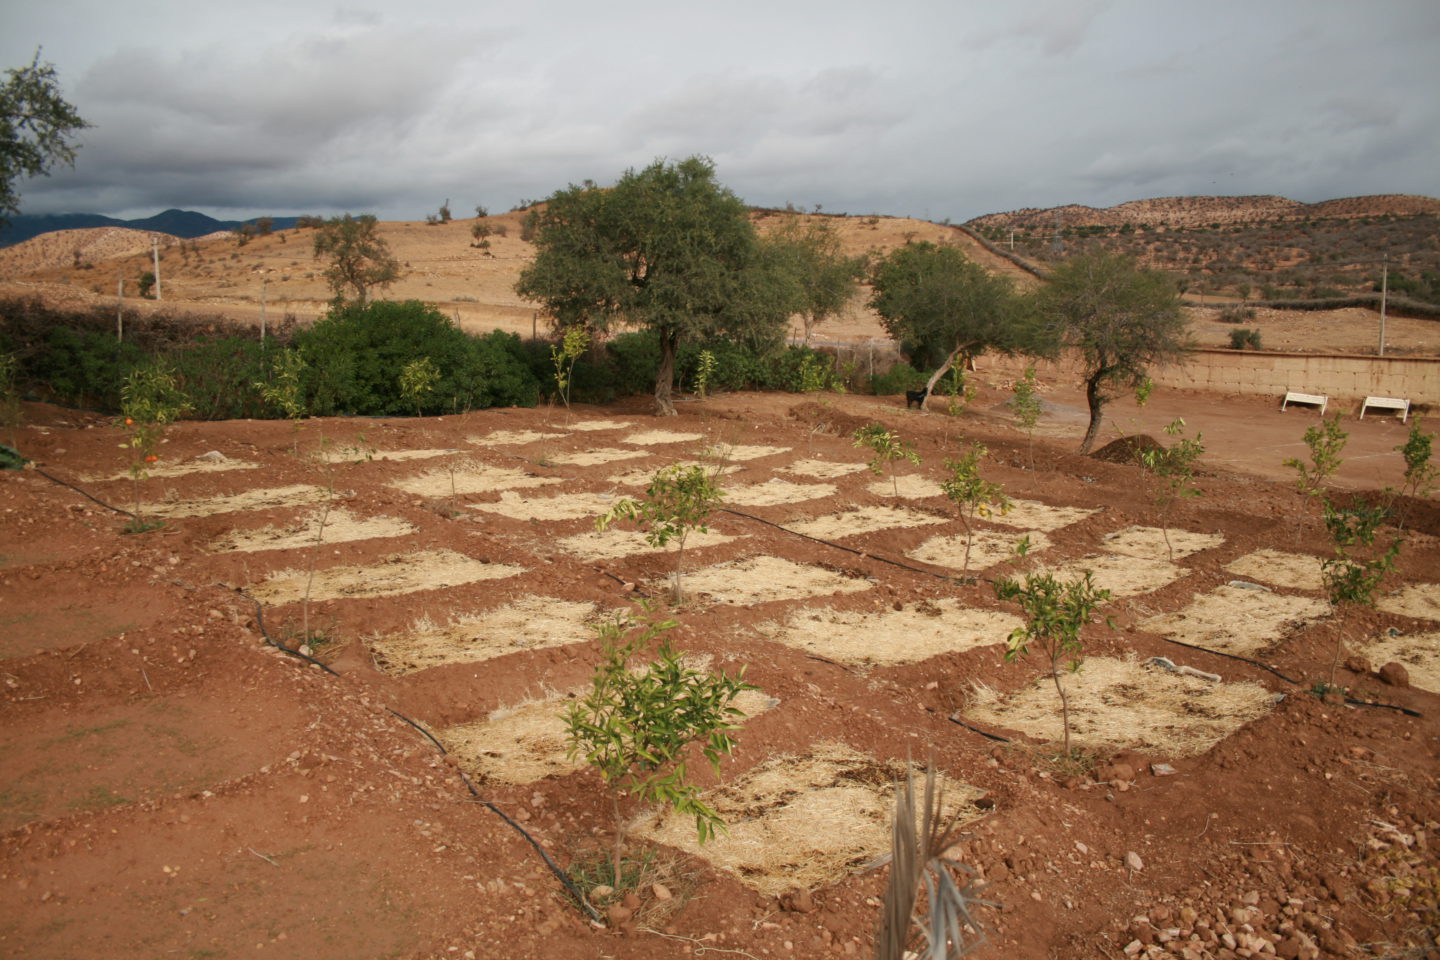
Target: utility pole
[[262, 314], [119, 306], [1384, 295], [155, 252]]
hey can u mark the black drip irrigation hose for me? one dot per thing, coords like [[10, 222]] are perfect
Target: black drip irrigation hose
[[859, 553], [469, 785], [83, 493], [554, 867]]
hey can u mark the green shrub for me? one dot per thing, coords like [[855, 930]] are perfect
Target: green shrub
[[354, 355], [1244, 339], [83, 367], [217, 377]]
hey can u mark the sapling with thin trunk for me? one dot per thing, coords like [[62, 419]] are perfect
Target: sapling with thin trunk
[[563, 357], [417, 382], [1326, 442], [635, 724], [886, 447], [972, 494], [150, 400], [1025, 404], [1174, 470], [678, 502], [1420, 474], [1055, 612]]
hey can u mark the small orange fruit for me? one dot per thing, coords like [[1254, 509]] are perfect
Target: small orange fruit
[[151, 459]]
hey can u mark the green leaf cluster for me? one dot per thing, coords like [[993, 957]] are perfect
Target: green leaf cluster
[[678, 502], [971, 493], [1326, 442], [885, 447], [37, 128], [1174, 467]]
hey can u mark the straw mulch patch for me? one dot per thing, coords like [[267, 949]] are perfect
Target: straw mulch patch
[[612, 543], [184, 467], [567, 506], [588, 425], [724, 452], [591, 458], [295, 495], [1238, 620], [401, 455], [648, 438], [1148, 543], [1421, 600], [643, 478], [802, 821], [889, 637], [1123, 576], [1034, 515], [824, 469], [862, 520], [470, 476], [341, 526], [401, 573], [762, 579], [987, 548], [511, 438], [1298, 571], [1127, 704], [531, 623], [775, 491], [911, 486], [1419, 653]]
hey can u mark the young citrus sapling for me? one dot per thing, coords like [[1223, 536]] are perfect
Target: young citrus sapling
[[678, 502]]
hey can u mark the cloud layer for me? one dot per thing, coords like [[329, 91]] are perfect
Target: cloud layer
[[930, 109]]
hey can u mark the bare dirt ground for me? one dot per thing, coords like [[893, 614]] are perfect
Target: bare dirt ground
[[175, 787]]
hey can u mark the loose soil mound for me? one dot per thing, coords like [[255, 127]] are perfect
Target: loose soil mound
[[1127, 449], [890, 637], [1127, 705]]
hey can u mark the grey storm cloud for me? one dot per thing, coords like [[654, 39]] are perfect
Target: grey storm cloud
[[928, 108]]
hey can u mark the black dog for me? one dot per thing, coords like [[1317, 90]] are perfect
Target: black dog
[[916, 398]]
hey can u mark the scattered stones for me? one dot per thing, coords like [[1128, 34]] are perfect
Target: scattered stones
[[1133, 861]]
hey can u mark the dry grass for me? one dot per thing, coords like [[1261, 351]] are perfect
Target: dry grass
[[1148, 543], [341, 526], [775, 491], [530, 623], [400, 573], [1237, 620], [889, 637], [650, 438], [1420, 600], [762, 579], [1297, 571], [726, 452], [1121, 574], [1126, 704], [586, 426], [591, 458], [824, 469], [612, 543], [470, 476], [567, 506], [511, 438], [1418, 653], [987, 548], [1034, 515], [911, 486], [800, 821], [862, 520], [295, 495]]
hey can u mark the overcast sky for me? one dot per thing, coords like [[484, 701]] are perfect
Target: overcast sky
[[926, 108]]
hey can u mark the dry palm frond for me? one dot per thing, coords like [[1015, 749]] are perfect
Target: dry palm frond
[[919, 841]]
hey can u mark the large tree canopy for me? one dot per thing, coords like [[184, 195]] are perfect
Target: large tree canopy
[[667, 248], [36, 125], [1121, 318], [811, 253], [945, 308]]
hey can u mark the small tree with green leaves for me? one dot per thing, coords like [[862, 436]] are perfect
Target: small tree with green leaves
[[1420, 474], [886, 447], [678, 502], [286, 391], [10, 396], [563, 357], [1174, 471], [1025, 405], [1326, 442], [1353, 575], [1055, 612], [704, 369], [150, 400], [635, 725], [971, 493], [417, 382]]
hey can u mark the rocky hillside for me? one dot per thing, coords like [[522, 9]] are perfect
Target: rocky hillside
[[1209, 212]]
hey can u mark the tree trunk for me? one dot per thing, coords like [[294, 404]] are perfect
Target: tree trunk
[[1096, 400], [935, 377], [665, 378]]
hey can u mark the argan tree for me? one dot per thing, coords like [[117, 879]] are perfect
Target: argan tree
[[37, 128], [944, 308], [1120, 318], [667, 248], [828, 279], [359, 258]]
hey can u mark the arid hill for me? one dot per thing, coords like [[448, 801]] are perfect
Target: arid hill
[[1207, 211]]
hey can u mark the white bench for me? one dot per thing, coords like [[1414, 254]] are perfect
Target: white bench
[[1386, 403], [1318, 399]]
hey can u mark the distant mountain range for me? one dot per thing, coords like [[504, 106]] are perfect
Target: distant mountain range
[[178, 223]]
